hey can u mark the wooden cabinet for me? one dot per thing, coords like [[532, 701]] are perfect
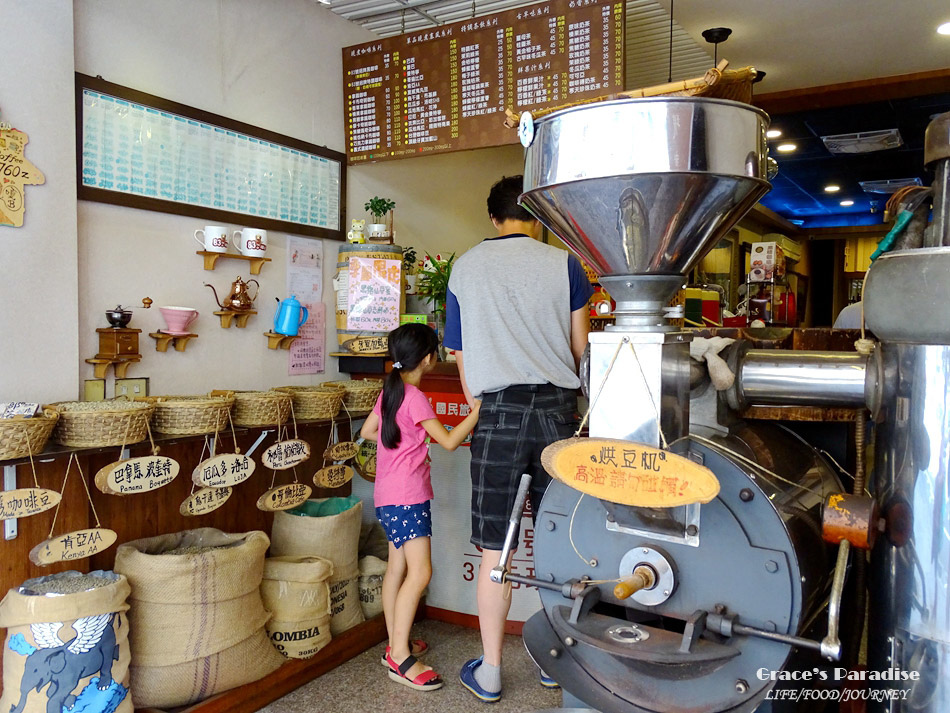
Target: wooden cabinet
[[115, 342]]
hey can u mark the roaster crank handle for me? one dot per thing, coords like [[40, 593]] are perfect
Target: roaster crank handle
[[514, 522], [831, 644]]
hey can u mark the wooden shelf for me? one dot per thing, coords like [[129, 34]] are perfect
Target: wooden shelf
[[227, 316], [279, 341], [162, 340], [211, 258], [120, 363]]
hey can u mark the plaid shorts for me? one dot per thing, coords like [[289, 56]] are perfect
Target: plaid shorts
[[514, 426], [405, 522]]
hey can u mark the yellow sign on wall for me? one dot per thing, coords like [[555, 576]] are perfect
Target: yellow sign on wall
[[15, 173]]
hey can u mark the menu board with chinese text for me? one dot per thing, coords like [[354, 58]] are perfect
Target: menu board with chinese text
[[447, 88]]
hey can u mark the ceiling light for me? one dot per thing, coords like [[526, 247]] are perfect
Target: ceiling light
[[847, 203], [832, 188], [773, 133], [786, 148], [863, 142], [944, 29]]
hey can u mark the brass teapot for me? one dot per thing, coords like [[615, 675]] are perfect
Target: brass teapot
[[239, 300]]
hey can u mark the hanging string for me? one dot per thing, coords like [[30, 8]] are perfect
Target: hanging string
[[590, 406], [570, 534], [293, 417], [148, 429], [646, 385], [233, 434], [29, 451], [62, 491], [85, 485]]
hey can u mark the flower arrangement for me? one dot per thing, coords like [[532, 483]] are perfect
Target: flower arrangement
[[434, 280], [379, 207]]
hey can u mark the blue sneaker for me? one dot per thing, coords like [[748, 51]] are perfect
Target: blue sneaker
[[547, 681], [467, 679]]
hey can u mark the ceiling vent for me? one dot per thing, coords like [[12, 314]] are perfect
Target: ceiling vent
[[888, 185], [864, 142]]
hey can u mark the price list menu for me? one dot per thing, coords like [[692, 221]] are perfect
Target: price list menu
[[447, 88]]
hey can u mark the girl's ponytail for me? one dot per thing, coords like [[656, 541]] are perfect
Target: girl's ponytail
[[409, 345]]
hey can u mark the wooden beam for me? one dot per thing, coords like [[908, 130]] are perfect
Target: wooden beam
[[770, 219], [846, 231], [865, 91]]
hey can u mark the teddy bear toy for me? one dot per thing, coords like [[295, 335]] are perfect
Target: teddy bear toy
[[356, 234]]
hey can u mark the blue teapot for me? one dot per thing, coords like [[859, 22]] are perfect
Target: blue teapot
[[290, 317]]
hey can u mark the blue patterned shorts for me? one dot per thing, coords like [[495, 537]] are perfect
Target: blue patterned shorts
[[405, 522]]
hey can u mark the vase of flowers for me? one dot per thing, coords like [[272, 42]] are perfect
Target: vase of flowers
[[380, 230]]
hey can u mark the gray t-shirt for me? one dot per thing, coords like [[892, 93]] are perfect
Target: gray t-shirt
[[514, 304]]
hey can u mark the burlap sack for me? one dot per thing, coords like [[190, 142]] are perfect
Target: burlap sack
[[372, 570], [373, 540], [306, 531], [192, 681], [302, 638], [295, 588], [198, 619], [65, 646], [345, 611]]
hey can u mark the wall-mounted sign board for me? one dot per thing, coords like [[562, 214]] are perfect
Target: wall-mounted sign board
[[143, 151], [447, 88]]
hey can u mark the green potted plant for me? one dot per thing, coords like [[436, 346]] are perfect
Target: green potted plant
[[434, 286], [379, 208], [409, 269]]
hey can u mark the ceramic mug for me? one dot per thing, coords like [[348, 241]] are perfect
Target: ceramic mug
[[250, 241], [177, 319], [214, 238]]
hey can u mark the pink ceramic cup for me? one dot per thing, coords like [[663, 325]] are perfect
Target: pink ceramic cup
[[178, 318]]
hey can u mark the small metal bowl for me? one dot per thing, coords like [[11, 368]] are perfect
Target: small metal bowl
[[118, 318]]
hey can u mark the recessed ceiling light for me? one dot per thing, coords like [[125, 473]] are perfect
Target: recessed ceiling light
[[773, 133], [832, 188], [847, 203], [785, 148], [944, 29]]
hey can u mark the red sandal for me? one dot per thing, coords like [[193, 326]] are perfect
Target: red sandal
[[425, 681], [417, 647]]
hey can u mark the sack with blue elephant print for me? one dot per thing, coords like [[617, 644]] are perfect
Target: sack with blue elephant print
[[67, 644]]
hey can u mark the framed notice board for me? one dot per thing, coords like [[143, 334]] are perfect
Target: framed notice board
[[447, 88], [143, 151]]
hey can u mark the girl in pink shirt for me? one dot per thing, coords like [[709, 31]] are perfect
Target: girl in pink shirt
[[400, 421]]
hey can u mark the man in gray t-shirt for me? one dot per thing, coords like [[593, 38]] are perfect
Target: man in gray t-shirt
[[517, 316]]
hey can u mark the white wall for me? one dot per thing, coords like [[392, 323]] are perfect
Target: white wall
[[277, 67], [38, 280]]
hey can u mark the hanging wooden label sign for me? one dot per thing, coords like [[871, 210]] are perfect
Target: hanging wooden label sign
[[204, 501], [629, 473], [344, 450], [24, 502], [136, 475], [73, 546], [366, 345], [286, 454], [333, 476], [16, 171], [365, 461], [284, 497], [223, 470]]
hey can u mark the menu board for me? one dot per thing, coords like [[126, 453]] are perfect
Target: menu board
[[447, 88]]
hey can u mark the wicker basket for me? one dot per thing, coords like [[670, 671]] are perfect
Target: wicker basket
[[312, 402], [97, 424], [20, 437], [260, 408], [191, 415], [358, 395]]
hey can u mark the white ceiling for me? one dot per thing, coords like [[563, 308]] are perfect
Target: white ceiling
[[798, 43]]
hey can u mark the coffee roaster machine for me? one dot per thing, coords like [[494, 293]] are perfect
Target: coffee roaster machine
[[716, 600]]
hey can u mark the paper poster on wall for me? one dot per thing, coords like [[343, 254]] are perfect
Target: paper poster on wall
[[373, 293], [16, 171], [305, 282]]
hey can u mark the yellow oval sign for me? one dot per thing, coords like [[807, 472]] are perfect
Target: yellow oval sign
[[223, 470], [333, 476], [344, 450], [204, 501], [286, 454], [284, 497], [24, 502], [365, 461], [72, 546], [629, 473], [136, 475]]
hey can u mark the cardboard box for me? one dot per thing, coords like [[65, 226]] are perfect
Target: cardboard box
[[417, 318]]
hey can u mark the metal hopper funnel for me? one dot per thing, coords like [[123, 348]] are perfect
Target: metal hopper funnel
[[643, 188]]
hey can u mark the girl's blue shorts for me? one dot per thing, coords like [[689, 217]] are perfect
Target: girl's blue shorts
[[405, 522]]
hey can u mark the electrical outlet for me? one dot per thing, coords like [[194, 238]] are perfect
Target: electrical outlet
[[131, 388]]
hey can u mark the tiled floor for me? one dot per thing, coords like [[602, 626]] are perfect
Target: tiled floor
[[362, 684]]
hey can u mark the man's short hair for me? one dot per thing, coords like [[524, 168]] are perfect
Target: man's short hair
[[503, 200]]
